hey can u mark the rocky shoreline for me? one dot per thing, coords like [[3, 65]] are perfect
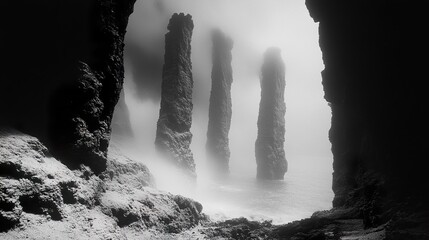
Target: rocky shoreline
[[41, 198]]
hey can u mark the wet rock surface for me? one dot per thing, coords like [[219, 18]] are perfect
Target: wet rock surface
[[220, 108], [173, 136], [269, 149], [41, 197]]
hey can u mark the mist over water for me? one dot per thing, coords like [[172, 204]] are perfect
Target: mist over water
[[305, 189], [254, 25]]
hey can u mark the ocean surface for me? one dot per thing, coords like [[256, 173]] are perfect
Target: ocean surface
[[305, 189]]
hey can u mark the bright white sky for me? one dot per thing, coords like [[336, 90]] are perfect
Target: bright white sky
[[254, 26]]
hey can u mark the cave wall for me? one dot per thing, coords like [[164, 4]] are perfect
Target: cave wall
[[374, 85], [63, 72]]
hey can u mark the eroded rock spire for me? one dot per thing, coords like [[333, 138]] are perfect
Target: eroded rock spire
[[269, 148], [220, 111], [173, 136]]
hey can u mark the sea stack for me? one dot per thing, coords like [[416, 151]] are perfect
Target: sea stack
[[220, 111], [270, 155], [173, 136]]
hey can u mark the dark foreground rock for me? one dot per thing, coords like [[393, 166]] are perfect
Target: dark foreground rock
[[269, 148], [220, 108], [238, 228], [335, 224], [329, 225], [379, 123], [65, 90], [40, 197], [173, 136]]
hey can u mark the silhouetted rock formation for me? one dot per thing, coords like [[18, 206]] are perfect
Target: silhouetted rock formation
[[63, 84], [379, 111], [220, 108], [270, 154], [121, 123], [173, 136]]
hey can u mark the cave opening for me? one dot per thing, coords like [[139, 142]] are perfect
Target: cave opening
[[307, 186], [60, 86]]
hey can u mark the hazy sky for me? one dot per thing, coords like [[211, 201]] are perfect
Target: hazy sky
[[254, 25]]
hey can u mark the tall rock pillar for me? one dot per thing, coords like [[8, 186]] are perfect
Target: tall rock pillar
[[173, 136], [269, 148], [220, 104]]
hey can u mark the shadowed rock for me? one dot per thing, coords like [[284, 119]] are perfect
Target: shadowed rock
[[270, 154], [220, 104], [379, 116], [173, 136], [70, 81]]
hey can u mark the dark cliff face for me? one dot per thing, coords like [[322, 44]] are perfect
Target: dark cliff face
[[269, 148], [220, 108], [64, 72], [173, 136], [372, 79]]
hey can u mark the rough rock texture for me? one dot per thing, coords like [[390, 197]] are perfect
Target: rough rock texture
[[269, 149], [330, 225], [40, 197], [128, 200], [237, 228], [220, 108], [63, 84], [32, 182], [334, 224], [173, 136], [121, 123]]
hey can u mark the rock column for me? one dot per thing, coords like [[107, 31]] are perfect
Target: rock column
[[173, 136], [217, 146], [269, 148]]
